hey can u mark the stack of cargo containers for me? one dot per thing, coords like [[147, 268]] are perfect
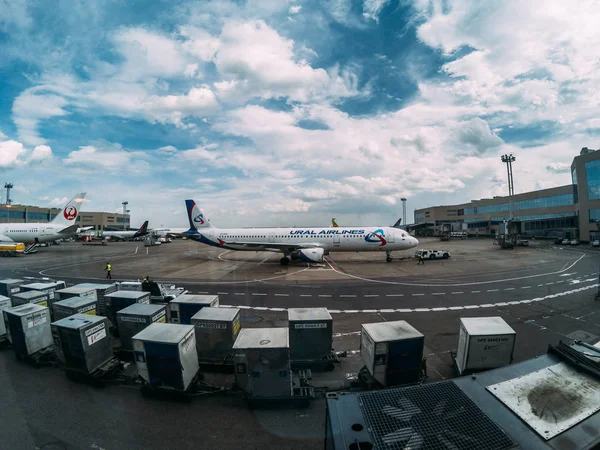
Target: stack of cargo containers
[[74, 305], [392, 352], [262, 363], [37, 297], [185, 306], [82, 343], [116, 301], [130, 286], [134, 318], [216, 332], [5, 303], [28, 330], [10, 286], [101, 291], [165, 356], [484, 343], [311, 337], [74, 291], [47, 288]]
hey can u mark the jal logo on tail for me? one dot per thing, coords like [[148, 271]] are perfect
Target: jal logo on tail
[[376, 236], [70, 213], [199, 219]]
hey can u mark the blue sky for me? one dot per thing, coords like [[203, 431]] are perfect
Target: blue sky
[[290, 112]]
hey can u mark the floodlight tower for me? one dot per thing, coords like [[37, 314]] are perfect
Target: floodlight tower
[[8, 187], [509, 159]]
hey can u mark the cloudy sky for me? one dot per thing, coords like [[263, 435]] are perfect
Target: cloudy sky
[[290, 112]]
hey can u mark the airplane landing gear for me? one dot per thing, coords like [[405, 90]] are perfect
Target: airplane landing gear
[[388, 257], [285, 260]]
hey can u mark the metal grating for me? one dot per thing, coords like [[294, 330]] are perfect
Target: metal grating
[[430, 417]]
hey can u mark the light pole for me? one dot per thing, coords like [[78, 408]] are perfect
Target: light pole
[[509, 159], [403, 211], [8, 187]]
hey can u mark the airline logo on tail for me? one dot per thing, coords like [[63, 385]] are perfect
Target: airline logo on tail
[[199, 219], [376, 236], [70, 213]]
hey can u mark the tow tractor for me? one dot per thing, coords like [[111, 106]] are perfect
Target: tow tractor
[[433, 254]]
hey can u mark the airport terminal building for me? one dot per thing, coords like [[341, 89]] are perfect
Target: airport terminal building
[[571, 211], [34, 214]]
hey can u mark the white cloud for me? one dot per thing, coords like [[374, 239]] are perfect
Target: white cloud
[[59, 202], [199, 43], [10, 151], [295, 9], [40, 153], [558, 167], [174, 108], [372, 8], [111, 157], [33, 105]]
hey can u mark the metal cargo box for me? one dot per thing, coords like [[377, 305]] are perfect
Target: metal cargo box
[[37, 297], [101, 290], [311, 333], [10, 286], [73, 291], [47, 288], [81, 342], [262, 362], [116, 301], [186, 305], [216, 332], [5, 303], [28, 328], [165, 355], [134, 318], [484, 343], [74, 305], [392, 352], [130, 286]]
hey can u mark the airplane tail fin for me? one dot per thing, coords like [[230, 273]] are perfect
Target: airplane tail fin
[[69, 213], [143, 230], [196, 218], [397, 224], [334, 224]]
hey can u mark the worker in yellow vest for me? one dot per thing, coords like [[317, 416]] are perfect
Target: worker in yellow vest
[[108, 269]]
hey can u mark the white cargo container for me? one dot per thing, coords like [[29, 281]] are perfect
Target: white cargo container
[[5, 303], [392, 352], [484, 343], [165, 355]]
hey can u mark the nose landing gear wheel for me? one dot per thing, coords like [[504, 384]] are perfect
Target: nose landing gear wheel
[[284, 261], [388, 258]]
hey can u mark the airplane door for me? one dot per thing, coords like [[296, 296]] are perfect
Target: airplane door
[[271, 237], [390, 237], [336, 240]]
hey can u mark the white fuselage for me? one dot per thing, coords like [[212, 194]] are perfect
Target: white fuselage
[[342, 239], [28, 232], [119, 234]]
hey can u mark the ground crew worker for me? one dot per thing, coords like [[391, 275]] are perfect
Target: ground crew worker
[[108, 269], [421, 259]]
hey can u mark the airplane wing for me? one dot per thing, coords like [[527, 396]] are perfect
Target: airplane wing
[[70, 229]]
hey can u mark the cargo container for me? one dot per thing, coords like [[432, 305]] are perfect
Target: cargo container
[[5, 303], [73, 291], [165, 355], [82, 343], [74, 305], [262, 362], [311, 333], [392, 352], [101, 291], [134, 318], [484, 343], [47, 288], [216, 332], [10, 286], [116, 301], [37, 297], [28, 329], [130, 286], [186, 305]]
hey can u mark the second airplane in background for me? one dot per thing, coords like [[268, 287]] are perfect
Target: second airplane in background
[[131, 234], [306, 244]]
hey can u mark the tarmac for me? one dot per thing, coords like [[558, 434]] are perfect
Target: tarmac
[[545, 292]]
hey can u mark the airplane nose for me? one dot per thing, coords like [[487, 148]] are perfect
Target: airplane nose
[[415, 241]]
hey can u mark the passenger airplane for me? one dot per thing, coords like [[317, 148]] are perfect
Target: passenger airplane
[[61, 227], [306, 244], [126, 234]]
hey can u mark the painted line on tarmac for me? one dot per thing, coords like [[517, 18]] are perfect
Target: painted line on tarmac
[[432, 309], [474, 283]]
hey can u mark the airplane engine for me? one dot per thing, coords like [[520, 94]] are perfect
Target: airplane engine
[[312, 254]]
